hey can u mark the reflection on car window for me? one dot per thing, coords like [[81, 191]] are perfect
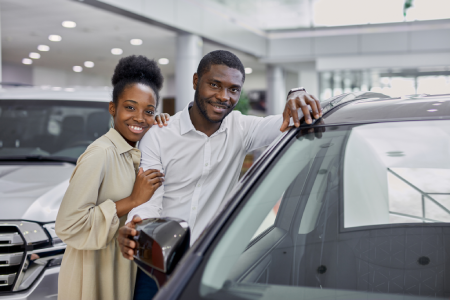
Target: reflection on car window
[[50, 128], [362, 209]]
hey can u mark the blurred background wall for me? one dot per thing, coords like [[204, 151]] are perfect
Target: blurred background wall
[[396, 47]]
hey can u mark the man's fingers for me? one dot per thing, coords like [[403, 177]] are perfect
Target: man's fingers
[[313, 105], [286, 120], [293, 111], [136, 219]]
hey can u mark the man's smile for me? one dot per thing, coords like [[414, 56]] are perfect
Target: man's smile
[[219, 108]]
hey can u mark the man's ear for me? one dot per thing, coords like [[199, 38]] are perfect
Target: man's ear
[[112, 109], [195, 81]]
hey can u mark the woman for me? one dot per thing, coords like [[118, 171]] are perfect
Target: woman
[[105, 185]]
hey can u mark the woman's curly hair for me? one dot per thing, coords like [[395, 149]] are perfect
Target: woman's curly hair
[[136, 69]]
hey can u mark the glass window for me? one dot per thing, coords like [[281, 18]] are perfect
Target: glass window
[[50, 128], [360, 210]]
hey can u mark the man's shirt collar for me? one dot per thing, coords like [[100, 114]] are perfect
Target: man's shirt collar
[[186, 123], [118, 141]]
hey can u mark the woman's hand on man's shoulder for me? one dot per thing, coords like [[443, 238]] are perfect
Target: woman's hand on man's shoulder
[[162, 120]]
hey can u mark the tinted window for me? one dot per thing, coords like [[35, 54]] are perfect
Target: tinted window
[[50, 128], [362, 210]]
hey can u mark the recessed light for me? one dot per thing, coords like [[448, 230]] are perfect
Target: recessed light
[[136, 42], [248, 70], [88, 64], [163, 61], [431, 110], [69, 24], [116, 51], [69, 89], [27, 61], [56, 88], [34, 55], [437, 104], [55, 38], [43, 48], [77, 69]]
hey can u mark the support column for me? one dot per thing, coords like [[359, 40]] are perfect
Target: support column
[[189, 53], [276, 90]]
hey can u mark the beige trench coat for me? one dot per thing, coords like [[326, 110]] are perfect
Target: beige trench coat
[[93, 267]]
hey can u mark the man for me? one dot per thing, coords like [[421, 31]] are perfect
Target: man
[[202, 149]]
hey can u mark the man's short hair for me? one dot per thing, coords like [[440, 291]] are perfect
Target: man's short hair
[[220, 57]]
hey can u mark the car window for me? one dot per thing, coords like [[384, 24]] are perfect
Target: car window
[[361, 210], [50, 128]]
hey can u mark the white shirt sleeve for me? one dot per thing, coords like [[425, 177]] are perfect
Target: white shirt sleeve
[[150, 159], [259, 131]]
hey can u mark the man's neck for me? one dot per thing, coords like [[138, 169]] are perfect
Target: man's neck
[[201, 123]]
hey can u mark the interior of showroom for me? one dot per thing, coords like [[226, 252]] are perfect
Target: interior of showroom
[[396, 47]]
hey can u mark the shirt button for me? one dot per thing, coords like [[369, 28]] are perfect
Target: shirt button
[[198, 185], [194, 208], [206, 164]]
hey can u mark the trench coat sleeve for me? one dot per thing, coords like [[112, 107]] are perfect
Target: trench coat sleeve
[[82, 222]]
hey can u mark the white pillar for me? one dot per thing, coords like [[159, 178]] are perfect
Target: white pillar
[[189, 53], [276, 90], [309, 79]]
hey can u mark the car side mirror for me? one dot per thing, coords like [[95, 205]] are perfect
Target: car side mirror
[[161, 243]]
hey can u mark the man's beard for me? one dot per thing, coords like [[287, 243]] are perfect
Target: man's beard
[[201, 103]]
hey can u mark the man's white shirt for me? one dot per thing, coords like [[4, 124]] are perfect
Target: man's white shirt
[[199, 170]]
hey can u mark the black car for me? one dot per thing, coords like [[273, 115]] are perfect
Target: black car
[[355, 206]]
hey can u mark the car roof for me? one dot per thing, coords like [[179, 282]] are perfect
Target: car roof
[[373, 107], [49, 93]]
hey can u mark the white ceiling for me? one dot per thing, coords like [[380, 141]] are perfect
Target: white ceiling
[[25, 24]]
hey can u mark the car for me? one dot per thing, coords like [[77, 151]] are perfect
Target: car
[[353, 206], [42, 133]]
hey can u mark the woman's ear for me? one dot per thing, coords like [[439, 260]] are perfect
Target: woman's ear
[[195, 81], [112, 109]]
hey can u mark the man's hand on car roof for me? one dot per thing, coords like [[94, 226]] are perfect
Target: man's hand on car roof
[[304, 101]]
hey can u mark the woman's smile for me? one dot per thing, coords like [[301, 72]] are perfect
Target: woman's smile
[[136, 128]]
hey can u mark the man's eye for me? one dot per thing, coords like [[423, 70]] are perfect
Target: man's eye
[[214, 85], [234, 90]]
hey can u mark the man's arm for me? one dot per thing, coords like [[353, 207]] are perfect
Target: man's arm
[[150, 159], [261, 132]]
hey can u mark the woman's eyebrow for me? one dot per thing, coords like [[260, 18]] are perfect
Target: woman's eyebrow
[[131, 101]]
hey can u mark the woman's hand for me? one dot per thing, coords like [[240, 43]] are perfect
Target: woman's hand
[[144, 187], [162, 119]]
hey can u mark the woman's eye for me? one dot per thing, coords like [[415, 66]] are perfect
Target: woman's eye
[[150, 112], [130, 107]]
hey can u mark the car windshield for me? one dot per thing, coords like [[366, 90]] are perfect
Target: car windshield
[[354, 212], [50, 128]]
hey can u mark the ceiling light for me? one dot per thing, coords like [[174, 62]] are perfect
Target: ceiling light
[[55, 38], [43, 48], [69, 24], [431, 110], [88, 64], [69, 89], [56, 88], [34, 55], [437, 104], [27, 61], [248, 70], [116, 51], [77, 69], [136, 42], [163, 61]]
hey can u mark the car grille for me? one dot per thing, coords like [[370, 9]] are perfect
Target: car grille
[[12, 253]]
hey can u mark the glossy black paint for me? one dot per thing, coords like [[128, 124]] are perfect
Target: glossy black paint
[[344, 109], [161, 243]]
